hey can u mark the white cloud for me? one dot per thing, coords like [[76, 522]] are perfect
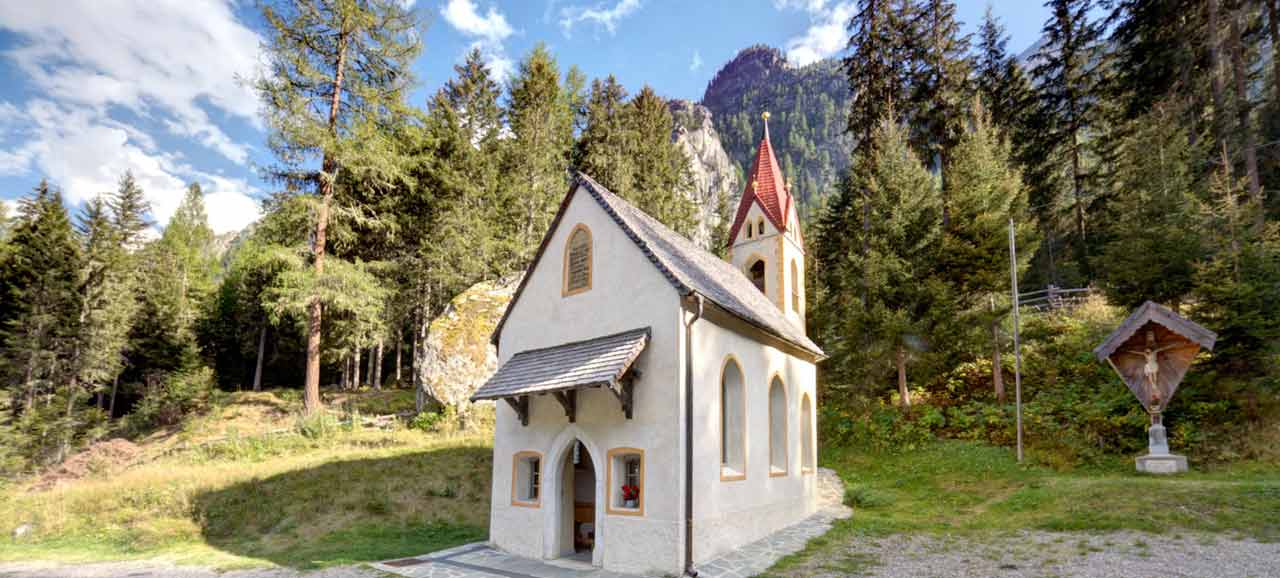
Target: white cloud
[[606, 18], [489, 31], [169, 63], [166, 60], [696, 63], [827, 34]]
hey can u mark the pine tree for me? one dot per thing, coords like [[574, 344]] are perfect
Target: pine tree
[[339, 72], [607, 138], [1001, 81], [897, 308], [542, 114], [661, 170], [877, 65], [940, 90], [1069, 79], [40, 281], [1152, 241]]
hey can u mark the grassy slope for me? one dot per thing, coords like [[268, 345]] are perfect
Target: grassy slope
[[968, 488], [288, 500]]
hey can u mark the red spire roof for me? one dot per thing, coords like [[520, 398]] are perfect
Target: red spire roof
[[766, 187]]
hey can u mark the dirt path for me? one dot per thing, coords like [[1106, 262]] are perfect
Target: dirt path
[[152, 569], [1040, 554]]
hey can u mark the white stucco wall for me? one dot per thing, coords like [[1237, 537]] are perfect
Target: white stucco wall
[[777, 251], [627, 292], [728, 514]]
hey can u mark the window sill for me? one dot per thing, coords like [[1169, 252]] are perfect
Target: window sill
[[807, 471], [728, 474], [777, 473], [625, 511], [520, 504]]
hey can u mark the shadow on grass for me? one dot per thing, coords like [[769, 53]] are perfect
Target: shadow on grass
[[353, 511]]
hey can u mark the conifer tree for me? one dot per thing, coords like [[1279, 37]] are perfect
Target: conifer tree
[[339, 72], [1067, 73], [661, 169], [607, 137], [940, 89], [1152, 238], [40, 281], [897, 308], [1001, 81], [541, 113]]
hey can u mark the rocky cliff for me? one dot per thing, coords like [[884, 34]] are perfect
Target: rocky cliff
[[716, 182]]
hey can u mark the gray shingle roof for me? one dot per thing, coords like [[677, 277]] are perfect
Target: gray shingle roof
[[1155, 312], [601, 361], [691, 269]]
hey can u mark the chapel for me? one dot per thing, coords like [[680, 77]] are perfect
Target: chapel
[[658, 403]]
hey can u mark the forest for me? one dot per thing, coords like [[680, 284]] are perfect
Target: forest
[[1137, 153]]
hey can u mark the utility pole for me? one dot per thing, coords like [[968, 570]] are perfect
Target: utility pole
[[1017, 345]]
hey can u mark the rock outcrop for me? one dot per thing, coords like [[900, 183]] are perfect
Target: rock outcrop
[[715, 180], [457, 357]]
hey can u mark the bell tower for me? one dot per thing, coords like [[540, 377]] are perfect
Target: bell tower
[[764, 241]]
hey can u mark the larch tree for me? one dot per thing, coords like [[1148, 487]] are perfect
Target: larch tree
[[338, 70], [661, 169], [607, 137]]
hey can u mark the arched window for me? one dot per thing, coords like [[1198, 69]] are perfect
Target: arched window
[[807, 457], [795, 287], [777, 427], [760, 227], [751, 231], [733, 420], [756, 272], [577, 261]]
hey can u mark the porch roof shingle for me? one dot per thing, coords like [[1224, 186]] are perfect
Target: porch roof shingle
[[601, 361]]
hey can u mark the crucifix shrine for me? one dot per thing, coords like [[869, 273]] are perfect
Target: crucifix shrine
[[1151, 351]]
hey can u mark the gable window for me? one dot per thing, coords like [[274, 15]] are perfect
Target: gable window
[[751, 231], [777, 427], [577, 261], [626, 481], [795, 287], [760, 227], [526, 479], [756, 273], [733, 418], [807, 457]]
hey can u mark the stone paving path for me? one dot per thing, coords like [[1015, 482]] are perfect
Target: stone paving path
[[481, 561]]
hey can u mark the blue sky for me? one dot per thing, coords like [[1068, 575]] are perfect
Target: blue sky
[[89, 89]]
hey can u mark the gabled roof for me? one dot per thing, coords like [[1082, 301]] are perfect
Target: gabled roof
[[1157, 313], [689, 268], [592, 363], [765, 187]]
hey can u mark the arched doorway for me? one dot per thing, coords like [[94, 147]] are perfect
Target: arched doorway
[[578, 504]]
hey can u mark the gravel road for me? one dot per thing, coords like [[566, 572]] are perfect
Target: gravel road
[[1041, 554]]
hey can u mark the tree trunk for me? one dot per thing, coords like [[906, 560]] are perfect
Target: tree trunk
[[1215, 73], [1244, 110], [997, 367], [31, 383], [355, 371], [399, 349], [903, 394], [262, 350], [1273, 26], [111, 406], [377, 367], [329, 170]]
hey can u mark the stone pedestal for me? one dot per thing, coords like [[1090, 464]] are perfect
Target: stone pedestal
[[1158, 459]]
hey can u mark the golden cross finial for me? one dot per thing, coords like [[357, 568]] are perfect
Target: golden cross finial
[[765, 115]]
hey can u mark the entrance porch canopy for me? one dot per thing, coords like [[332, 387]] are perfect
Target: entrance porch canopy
[[564, 369]]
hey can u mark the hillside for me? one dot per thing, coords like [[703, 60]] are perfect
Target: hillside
[[807, 107]]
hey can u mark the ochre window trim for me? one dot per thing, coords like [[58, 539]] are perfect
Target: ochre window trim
[[749, 263], [565, 291], [795, 286], [609, 483], [810, 435], [786, 427], [516, 481], [735, 476]]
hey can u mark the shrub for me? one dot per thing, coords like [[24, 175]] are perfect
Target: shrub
[[177, 396]]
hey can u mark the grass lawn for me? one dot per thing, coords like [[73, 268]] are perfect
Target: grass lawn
[[975, 490], [288, 500]]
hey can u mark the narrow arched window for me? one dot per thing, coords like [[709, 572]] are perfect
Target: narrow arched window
[[760, 227], [733, 419], [777, 427], [577, 261], [795, 286], [756, 272], [807, 456]]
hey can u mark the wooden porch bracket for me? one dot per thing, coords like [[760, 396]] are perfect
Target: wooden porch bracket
[[624, 390], [521, 406], [569, 401]]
